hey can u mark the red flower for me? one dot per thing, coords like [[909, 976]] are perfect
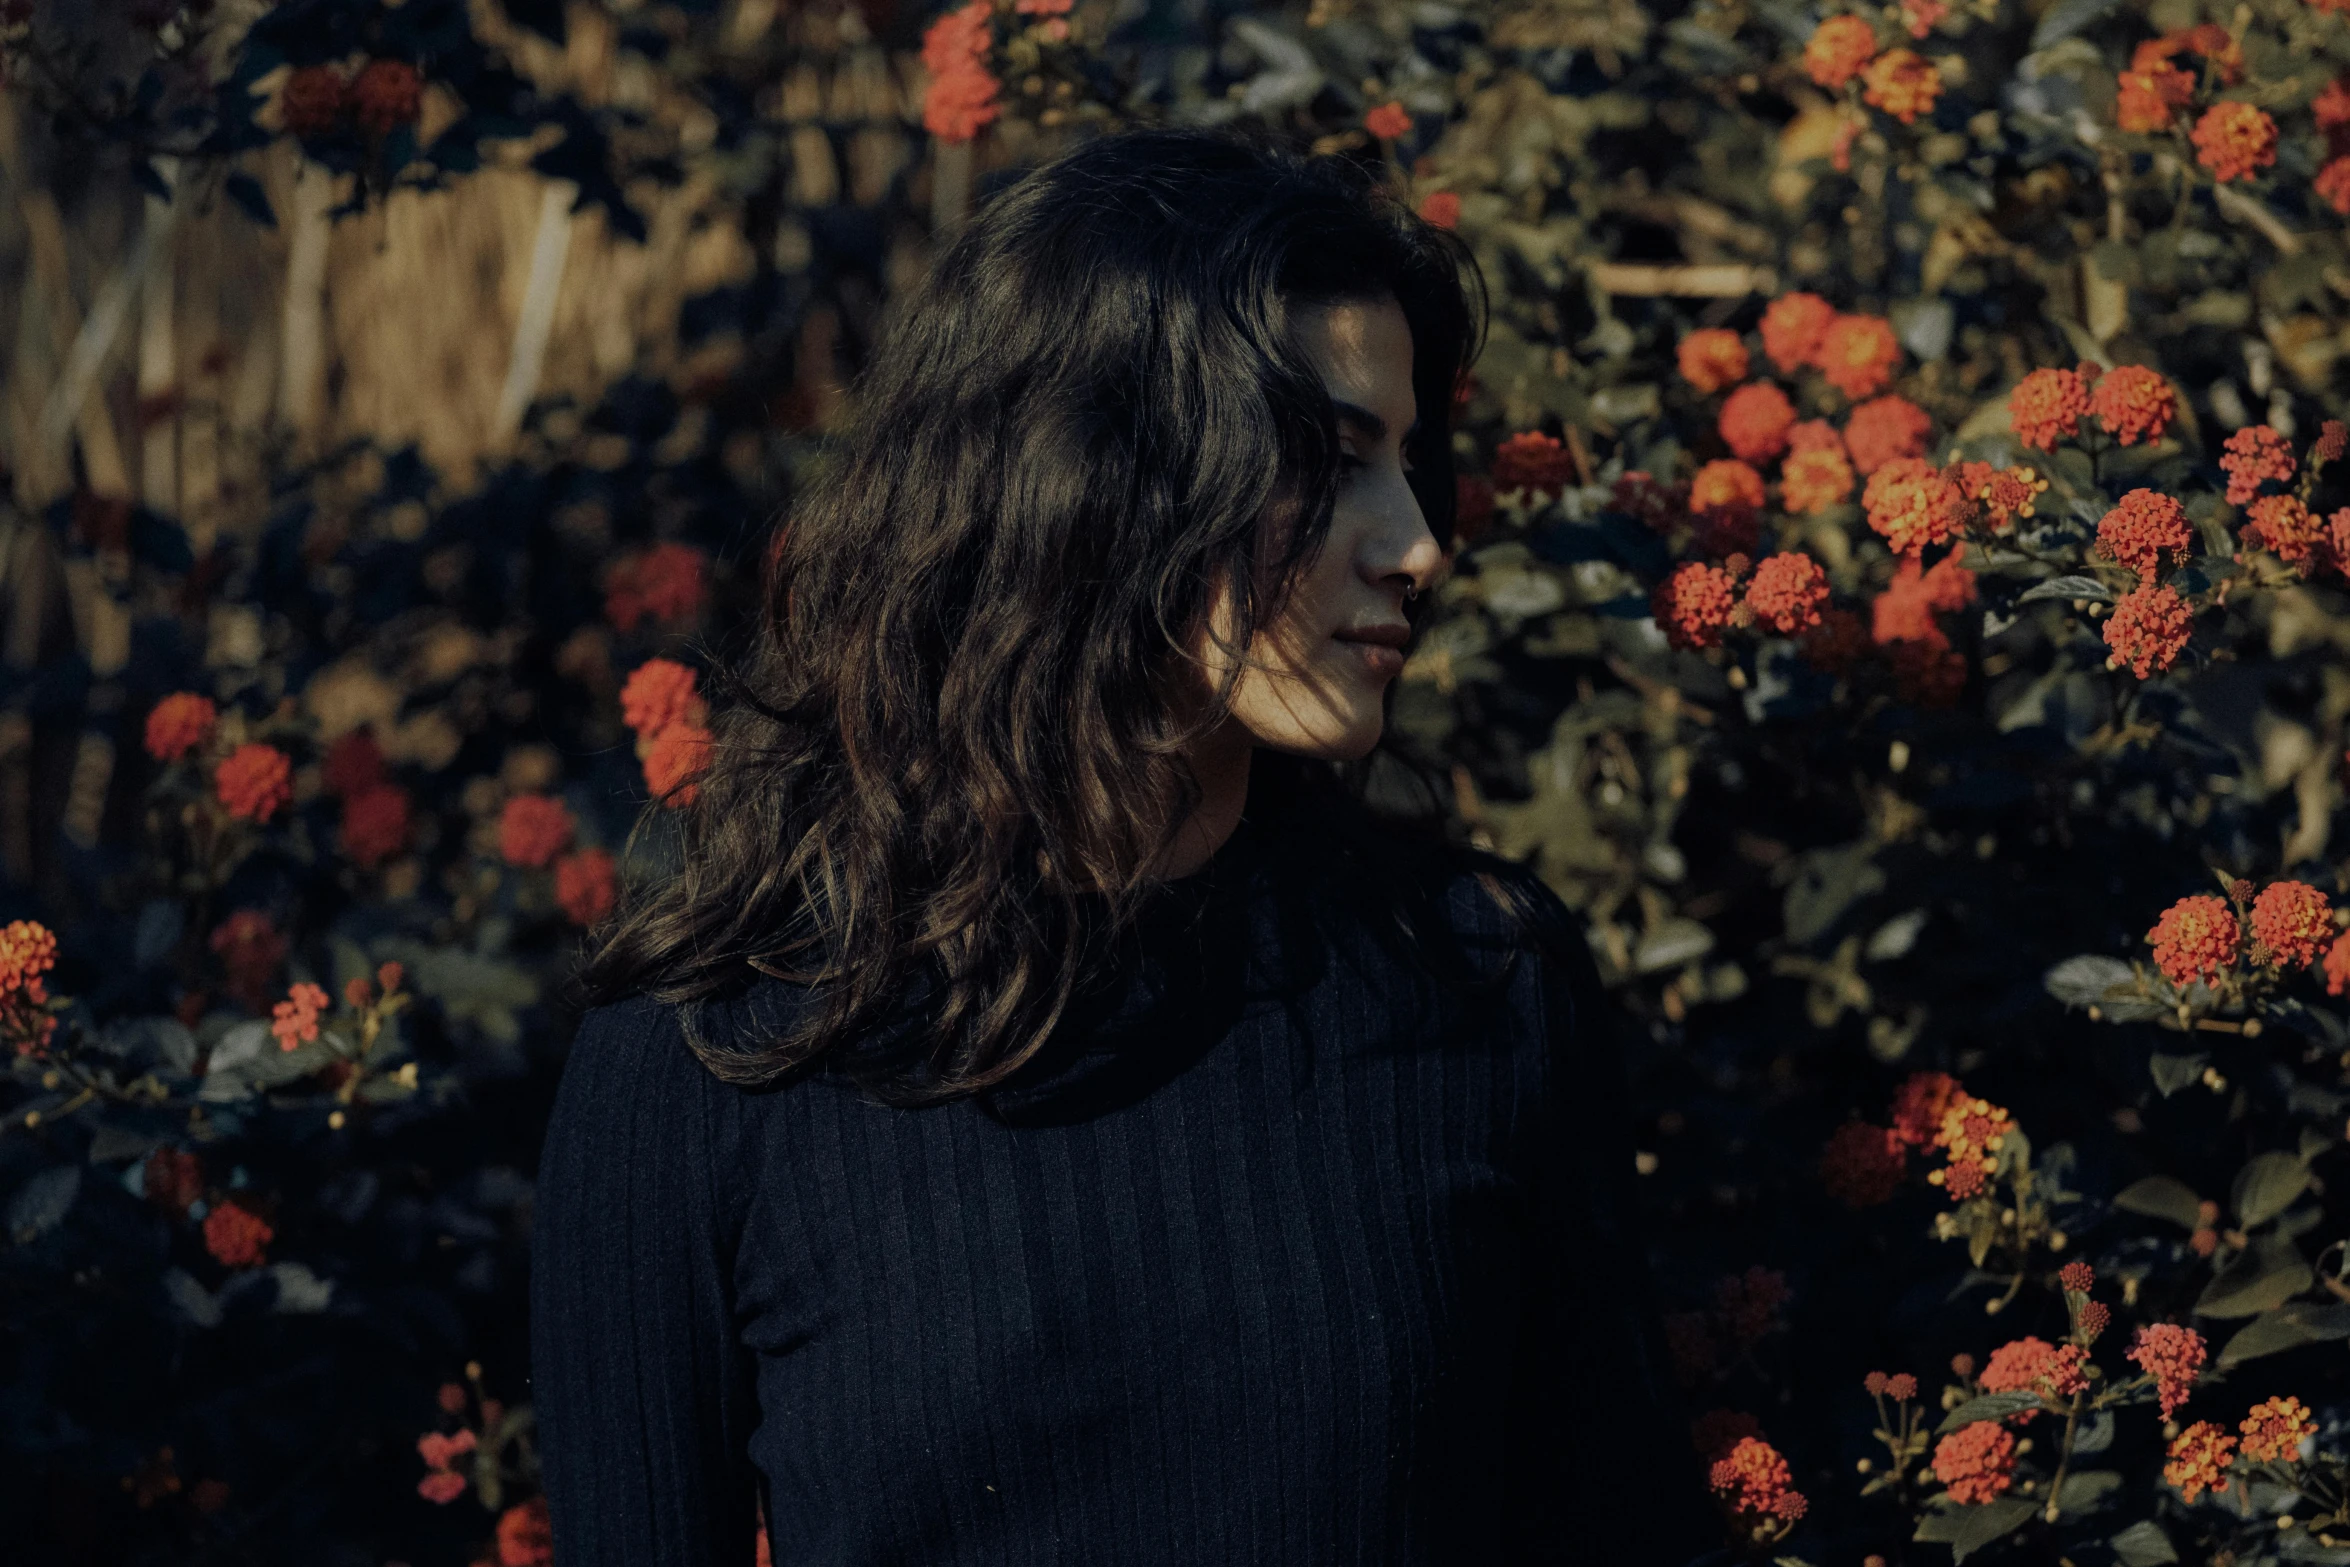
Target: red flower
[[1857, 354], [1971, 1134], [439, 1451], [677, 756], [1903, 83], [2034, 1365], [375, 824], [1755, 420], [2293, 921], [525, 1538], [1919, 1104], [1837, 49], [2196, 938], [2333, 184], [1977, 1462], [2253, 454], [1863, 1164], [961, 97], [295, 1019], [2235, 140], [1754, 1482], [1532, 461], [660, 692], [1814, 479], [2275, 1430], [180, 723], [2199, 1460], [1442, 208], [312, 100], [2004, 494], [1388, 122], [1912, 504], [2047, 406], [2134, 404], [237, 1237], [2173, 1356], [2092, 1320], [1885, 428], [2286, 529], [533, 829], [664, 583], [28, 950], [1793, 324], [2337, 965], [385, 95], [2076, 1277], [2142, 527], [254, 781], [2148, 629], [1712, 358], [1787, 592], [587, 885], [353, 763], [2332, 107], [1693, 604], [2150, 94], [1725, 484]]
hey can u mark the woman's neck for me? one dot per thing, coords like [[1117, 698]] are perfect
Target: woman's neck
[[1221, 763]]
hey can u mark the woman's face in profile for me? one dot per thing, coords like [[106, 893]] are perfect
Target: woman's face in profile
[[1308, 688]]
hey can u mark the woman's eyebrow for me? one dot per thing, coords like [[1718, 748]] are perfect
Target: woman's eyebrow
[[1371, 424]]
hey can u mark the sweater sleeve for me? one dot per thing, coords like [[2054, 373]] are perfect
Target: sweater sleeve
[[643, 1390], [1614, 1428]]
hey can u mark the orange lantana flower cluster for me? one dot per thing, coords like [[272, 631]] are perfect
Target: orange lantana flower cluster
[[2173, 1356], [2148, 629], [28, 951], [1977, 1462], [660, 703], [2142, 528], [1971, 1135], [961, 98]]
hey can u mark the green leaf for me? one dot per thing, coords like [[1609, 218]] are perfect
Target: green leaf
[[2087, 979], [2287, 1327], [2162, 1197], [2267, 1275], [1987, 1406], [1827, 882], [1968, 1529], [2172, 1073], [2069, 588], [2267, 1186], [2066, 18], [2143, 1544], [40, 1204], [2087, 1491]]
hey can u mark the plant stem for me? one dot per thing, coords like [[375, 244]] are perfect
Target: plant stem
[[2064, 1458]]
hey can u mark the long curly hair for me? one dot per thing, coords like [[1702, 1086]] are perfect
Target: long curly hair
[[958, 733]]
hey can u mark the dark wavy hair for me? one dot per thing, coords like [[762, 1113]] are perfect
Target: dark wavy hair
[[958, 734]]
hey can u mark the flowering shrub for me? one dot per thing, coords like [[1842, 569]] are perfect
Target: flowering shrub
[[1900, 604]]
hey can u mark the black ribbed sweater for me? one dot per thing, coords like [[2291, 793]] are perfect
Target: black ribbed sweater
[[1286, 1255]]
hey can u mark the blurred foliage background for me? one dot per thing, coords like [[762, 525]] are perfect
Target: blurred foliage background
[[397, 396]]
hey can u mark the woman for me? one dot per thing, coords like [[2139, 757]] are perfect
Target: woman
[[1047, 1118]]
